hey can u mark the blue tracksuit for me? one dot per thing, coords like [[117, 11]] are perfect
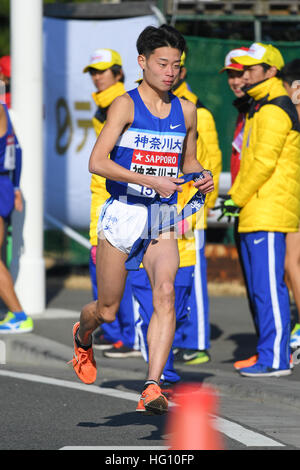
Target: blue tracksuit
[[194, 333], [263, 256]]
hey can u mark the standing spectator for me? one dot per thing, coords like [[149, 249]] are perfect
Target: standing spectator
[[236, 82], [290, 75], [192, 338], [16, 320], [266, 191], [5, 79], [117, 339]]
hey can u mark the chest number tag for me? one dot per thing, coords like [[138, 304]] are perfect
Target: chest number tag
[[10, 153]]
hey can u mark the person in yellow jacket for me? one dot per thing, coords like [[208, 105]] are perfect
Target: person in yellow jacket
[[118, 339], [192, 338], [266, 195]]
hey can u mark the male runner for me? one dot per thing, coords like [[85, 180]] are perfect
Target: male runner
[[15, 320], [146, 125]]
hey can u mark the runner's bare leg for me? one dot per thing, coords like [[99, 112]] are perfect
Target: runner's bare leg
[[161, 262], [111, 279], [7, 291]]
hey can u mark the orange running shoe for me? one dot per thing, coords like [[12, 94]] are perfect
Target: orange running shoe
[[246, 362], [152, 401], [83, 361]]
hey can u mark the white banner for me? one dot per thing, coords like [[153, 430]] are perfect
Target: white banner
[[69, 107]]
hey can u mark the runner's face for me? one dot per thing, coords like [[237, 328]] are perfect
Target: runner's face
[[103, 79], [236, 82], [161, 68]]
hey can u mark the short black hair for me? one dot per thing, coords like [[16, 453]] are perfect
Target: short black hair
[[291, 71], [266, 67], [164, 36], [116, 70]]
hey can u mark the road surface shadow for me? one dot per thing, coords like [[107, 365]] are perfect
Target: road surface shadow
[[133, 419]]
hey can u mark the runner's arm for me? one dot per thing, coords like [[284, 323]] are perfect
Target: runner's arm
[[3, 121]]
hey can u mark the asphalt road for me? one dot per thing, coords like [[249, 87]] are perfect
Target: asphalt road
[[53, 410]]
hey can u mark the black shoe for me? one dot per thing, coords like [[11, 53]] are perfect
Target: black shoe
[[119, 350], [99, 342]]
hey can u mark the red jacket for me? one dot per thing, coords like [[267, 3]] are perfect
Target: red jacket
[[237, 146], [242, 105]]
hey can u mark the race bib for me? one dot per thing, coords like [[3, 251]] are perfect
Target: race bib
[[10, 153], [152, 163]]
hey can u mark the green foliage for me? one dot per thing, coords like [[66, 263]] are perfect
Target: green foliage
[[4, 8], [4, 27], [4, 41]]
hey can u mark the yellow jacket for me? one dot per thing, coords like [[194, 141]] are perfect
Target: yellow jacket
[[99, 194], [268, 184], [207, 136]]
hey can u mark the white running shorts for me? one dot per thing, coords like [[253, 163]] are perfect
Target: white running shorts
[[122, 224]]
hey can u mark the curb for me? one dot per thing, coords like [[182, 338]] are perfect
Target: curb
[[271, 390], [33, 349]]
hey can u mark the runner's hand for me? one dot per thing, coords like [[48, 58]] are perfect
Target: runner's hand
[[206, 184], [165, 186], [18, 200]]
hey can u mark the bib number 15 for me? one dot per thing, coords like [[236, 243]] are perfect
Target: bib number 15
[[10, 154], [148, 192]]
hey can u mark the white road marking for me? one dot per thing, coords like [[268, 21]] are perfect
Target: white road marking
[[2, 352], [53, 313], [232, 430], [245, 436], [113, 448]]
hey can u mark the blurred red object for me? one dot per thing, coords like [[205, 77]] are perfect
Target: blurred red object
[[5, 65], [190, 424]]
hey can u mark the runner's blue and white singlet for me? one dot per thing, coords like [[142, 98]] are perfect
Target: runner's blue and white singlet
[[150, 146], [7, 147]]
